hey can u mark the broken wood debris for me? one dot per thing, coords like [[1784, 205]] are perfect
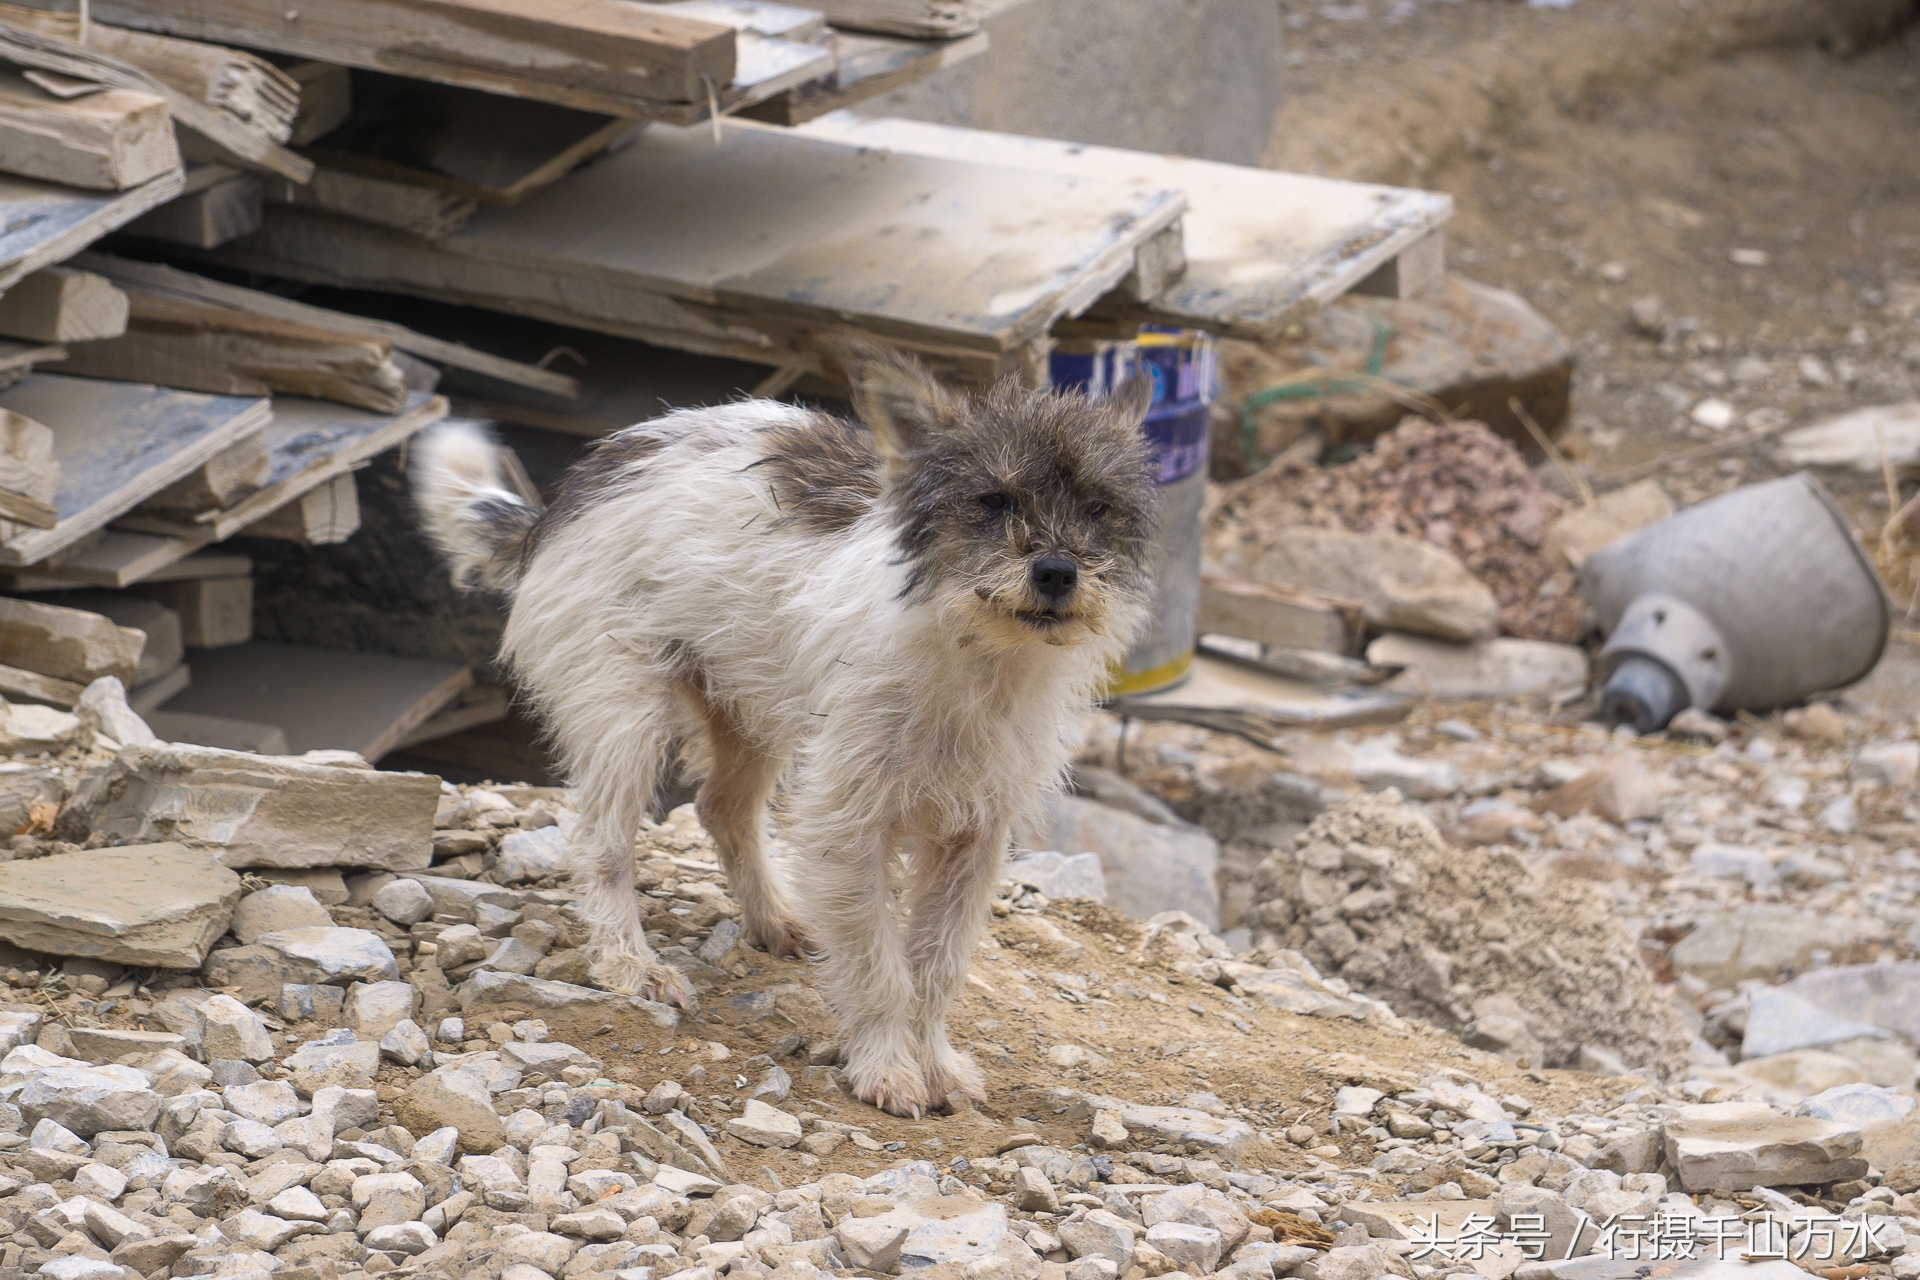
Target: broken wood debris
[[105, 141], [60, 304]]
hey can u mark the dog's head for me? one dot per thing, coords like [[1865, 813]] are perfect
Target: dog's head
[[1032, 511]]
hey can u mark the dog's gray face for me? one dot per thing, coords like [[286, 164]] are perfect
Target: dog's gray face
[[1036, 510]]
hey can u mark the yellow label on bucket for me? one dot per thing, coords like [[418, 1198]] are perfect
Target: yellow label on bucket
[[1153, 679]]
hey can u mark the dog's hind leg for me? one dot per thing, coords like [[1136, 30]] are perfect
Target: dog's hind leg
[[733, 808], [947, 903], [615, 752]]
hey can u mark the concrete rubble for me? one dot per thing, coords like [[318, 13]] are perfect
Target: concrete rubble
[[1484, 968]]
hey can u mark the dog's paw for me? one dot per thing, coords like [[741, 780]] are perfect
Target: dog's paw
[[895, 1085], [781, 936], [644, 977], [954, 1072]]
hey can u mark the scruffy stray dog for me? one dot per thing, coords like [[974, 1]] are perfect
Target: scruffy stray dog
[[899, 621]]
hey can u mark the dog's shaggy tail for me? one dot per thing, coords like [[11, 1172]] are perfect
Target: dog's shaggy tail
[[465, 508]]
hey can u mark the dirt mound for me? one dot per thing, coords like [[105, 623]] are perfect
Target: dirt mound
[[1456, 485], [1473, 942]]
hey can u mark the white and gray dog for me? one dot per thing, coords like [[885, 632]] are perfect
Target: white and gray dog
[[898, 622]]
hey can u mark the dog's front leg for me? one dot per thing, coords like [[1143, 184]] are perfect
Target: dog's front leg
[[868, 982], [951, 886]]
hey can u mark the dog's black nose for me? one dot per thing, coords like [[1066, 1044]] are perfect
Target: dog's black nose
[[1054, 577]]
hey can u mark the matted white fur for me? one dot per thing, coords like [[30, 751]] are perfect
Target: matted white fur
[[908, 736]]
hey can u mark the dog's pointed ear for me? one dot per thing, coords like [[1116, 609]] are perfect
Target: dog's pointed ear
[[897, 398], [1131, 400]]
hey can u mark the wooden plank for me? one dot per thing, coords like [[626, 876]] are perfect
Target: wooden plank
[[31, 684], [600, 55], [324, 699], [59, 304], [118, 443], [1262, 247], [36, 38], [679, 240], [200, 346], [1280, 616], [204, 564], [24, 509], [218, 731], [42, 223], [164, 279], [1420, 269], [404, 206], [479, 146], [114, 559], [214, 612], [225, 205], [310, 442], [221, 481], [781, 21], [869, 66], [482, 704], [326, 99], [242, 85], [105, 141], [317, 518]]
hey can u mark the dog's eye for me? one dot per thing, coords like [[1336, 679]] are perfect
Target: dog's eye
[[1098, 510], [996, 502]]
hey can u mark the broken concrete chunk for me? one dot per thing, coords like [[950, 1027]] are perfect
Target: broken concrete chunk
[[156, 904], [269, 811], [1147, 867], [525, 856], [279, 906], [1403, 584], [765, 1126], [67, 644], [103, 708], [28, 729], [308, 955], [487, 989], [1734, 1146], [1763, 941]]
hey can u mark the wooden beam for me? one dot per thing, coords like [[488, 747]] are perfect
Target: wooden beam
[[326, 99], [1418, 270], [214, 612], [482, 704], [405, 206], [168, 280], [29, 473], [317, 518], [220, 204], [249, 88], [110, 559], [105, 141], [1280, 616], [35, 38], [868, 66], [23, 509], [600, 55], [59, 304], [200, 346], [223, 480], [118, 443], [154, 694]]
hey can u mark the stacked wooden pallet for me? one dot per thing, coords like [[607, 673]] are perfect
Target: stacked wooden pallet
[[535, 165]]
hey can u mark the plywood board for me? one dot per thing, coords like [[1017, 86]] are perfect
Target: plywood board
[[118, 443], [1262, 247], [762, 244], [310, 442], [323, 699], [42, 224], [164, 279], [600, 55], [869, 65], [113, 559]]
